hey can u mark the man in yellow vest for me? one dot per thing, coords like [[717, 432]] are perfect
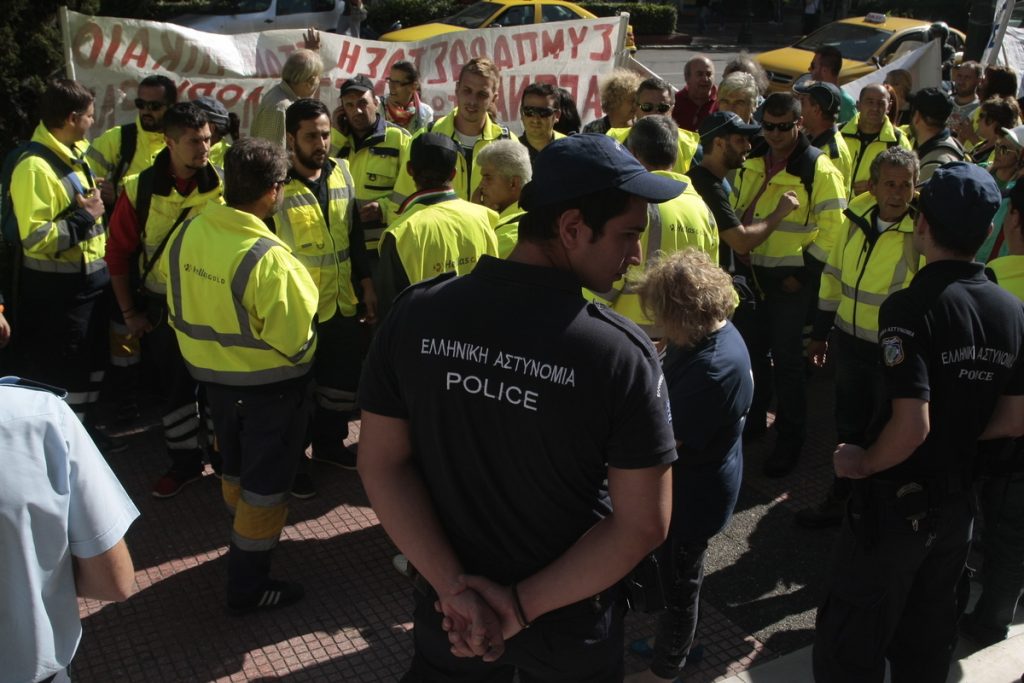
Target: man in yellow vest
[[61, 336], [682, 222], [505, 168], [654, 98], [539, 113], [819, 103], [126, 150], [319, 220], [438, 232], [152, 207], [469, 126], [787, 265], [376, 151], [870, 133], [873, 257], [243, 309]]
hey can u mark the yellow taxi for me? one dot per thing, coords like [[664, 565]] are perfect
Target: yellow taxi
[[495, 13], [866, 42]]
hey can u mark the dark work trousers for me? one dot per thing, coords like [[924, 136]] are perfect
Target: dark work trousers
[[180, 395], [784, 317], [341, 345], [892, 593], [1002, 577], [260, 431], [749, 319], [61, 337], [579, 643], [859, 393], [677, 625]]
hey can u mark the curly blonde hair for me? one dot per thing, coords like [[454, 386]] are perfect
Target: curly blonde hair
[[687, 295], [617, 87]]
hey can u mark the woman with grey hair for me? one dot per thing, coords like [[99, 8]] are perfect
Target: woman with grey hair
[[744, 63], [738, 93]]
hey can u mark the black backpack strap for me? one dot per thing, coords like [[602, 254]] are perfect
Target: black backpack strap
[[129, 143], [143, 199], [148, 265]]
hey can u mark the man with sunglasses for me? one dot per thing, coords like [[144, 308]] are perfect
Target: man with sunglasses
[[699, 98], [129, 149], [654, 98], [788, 265], [539, 112], [243, 308]]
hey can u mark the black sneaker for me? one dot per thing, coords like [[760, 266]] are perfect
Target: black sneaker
[[980, 634], [342, 457], [302, 486], [275, 594], [108, 445], [829, 512]]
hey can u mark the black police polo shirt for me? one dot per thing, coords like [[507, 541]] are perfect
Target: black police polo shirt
[[952, 338], [519, 394]]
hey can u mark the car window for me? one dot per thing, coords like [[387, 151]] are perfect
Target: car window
[[557, 13], [517, 15], [285, 7], [473, 16], [855, 42], [247, 6], [955, 42]]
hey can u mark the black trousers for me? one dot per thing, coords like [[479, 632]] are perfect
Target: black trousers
[[1002, 577], [341, 345], [677, 625], [892, 594], [579, 643]]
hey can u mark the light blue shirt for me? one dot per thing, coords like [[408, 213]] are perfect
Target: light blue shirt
[[58, 498]]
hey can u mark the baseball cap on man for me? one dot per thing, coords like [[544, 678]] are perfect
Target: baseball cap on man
[[433, 151], [960, 194], [1015, 136], [214, 110], [724, 123], [578, 165], [825, 95], [932, 102], [358, 83]]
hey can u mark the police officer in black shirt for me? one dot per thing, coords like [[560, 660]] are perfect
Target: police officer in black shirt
[[951, 355], [495, 405]]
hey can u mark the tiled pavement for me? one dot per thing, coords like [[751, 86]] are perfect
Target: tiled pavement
[[354, 625]]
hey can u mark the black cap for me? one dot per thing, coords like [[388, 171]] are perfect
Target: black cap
[[825, 95], [434, 151], [961, 194], [933, 103], [358, 83], [725, 123], [216, 112], [578, 165]]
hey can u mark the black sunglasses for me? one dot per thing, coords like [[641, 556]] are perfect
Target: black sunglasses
[[543, 112], [784, 127], [394, 82], [648, 107], [149, 105]]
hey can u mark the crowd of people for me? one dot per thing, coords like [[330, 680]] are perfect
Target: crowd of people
[[557, 344]]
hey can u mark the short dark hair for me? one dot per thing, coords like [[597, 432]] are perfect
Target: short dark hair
[[782, 103], [569, 122], [542, 89], [183, 116], [654, 140], [303, 110], [170, 90], [596, 208], [1003, 111], [653, 83], [830, 57], [63, 97], [409, 68], [251, 167], [999, 80]]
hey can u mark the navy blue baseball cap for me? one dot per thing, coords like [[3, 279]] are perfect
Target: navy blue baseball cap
[[961, 194], [578, 165]]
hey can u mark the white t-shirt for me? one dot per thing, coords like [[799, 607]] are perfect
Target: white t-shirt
[[58, 498]]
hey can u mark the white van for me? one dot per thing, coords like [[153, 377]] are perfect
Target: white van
[[263, 15]]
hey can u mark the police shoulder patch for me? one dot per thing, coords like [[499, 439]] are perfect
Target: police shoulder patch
[[892, 351]]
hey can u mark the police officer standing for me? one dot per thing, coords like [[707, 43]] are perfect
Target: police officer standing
[[951, 355], [243, 307]]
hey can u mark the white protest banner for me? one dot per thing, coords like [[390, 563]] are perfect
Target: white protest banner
[[111, 55], [924, 65]]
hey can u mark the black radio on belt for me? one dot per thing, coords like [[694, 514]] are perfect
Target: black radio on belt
[[644, 590], [912, 503]]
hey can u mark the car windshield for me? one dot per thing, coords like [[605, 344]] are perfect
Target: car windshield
[[472, 16], [856, 42]]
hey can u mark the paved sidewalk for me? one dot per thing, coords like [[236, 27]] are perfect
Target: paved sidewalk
[[764, 581]]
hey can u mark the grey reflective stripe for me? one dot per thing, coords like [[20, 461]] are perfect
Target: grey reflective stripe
[[297, 200], [830, 205], [98, 228], [869, 298], [776, 261], [93, 154], [335, 399], [790, 226], [829, 269], [817, 252], [830, 305], [899, 275], [246, 378], [68, 186], [40, 233], [322, 260], [397, 198], [241, 279], [858, 332], [259, 500], [55, 266], [336, 193], [373, 234], [254, 544], [654, 234]]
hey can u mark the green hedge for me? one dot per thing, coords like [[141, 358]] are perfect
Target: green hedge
[[409, 12], [646, 19]]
